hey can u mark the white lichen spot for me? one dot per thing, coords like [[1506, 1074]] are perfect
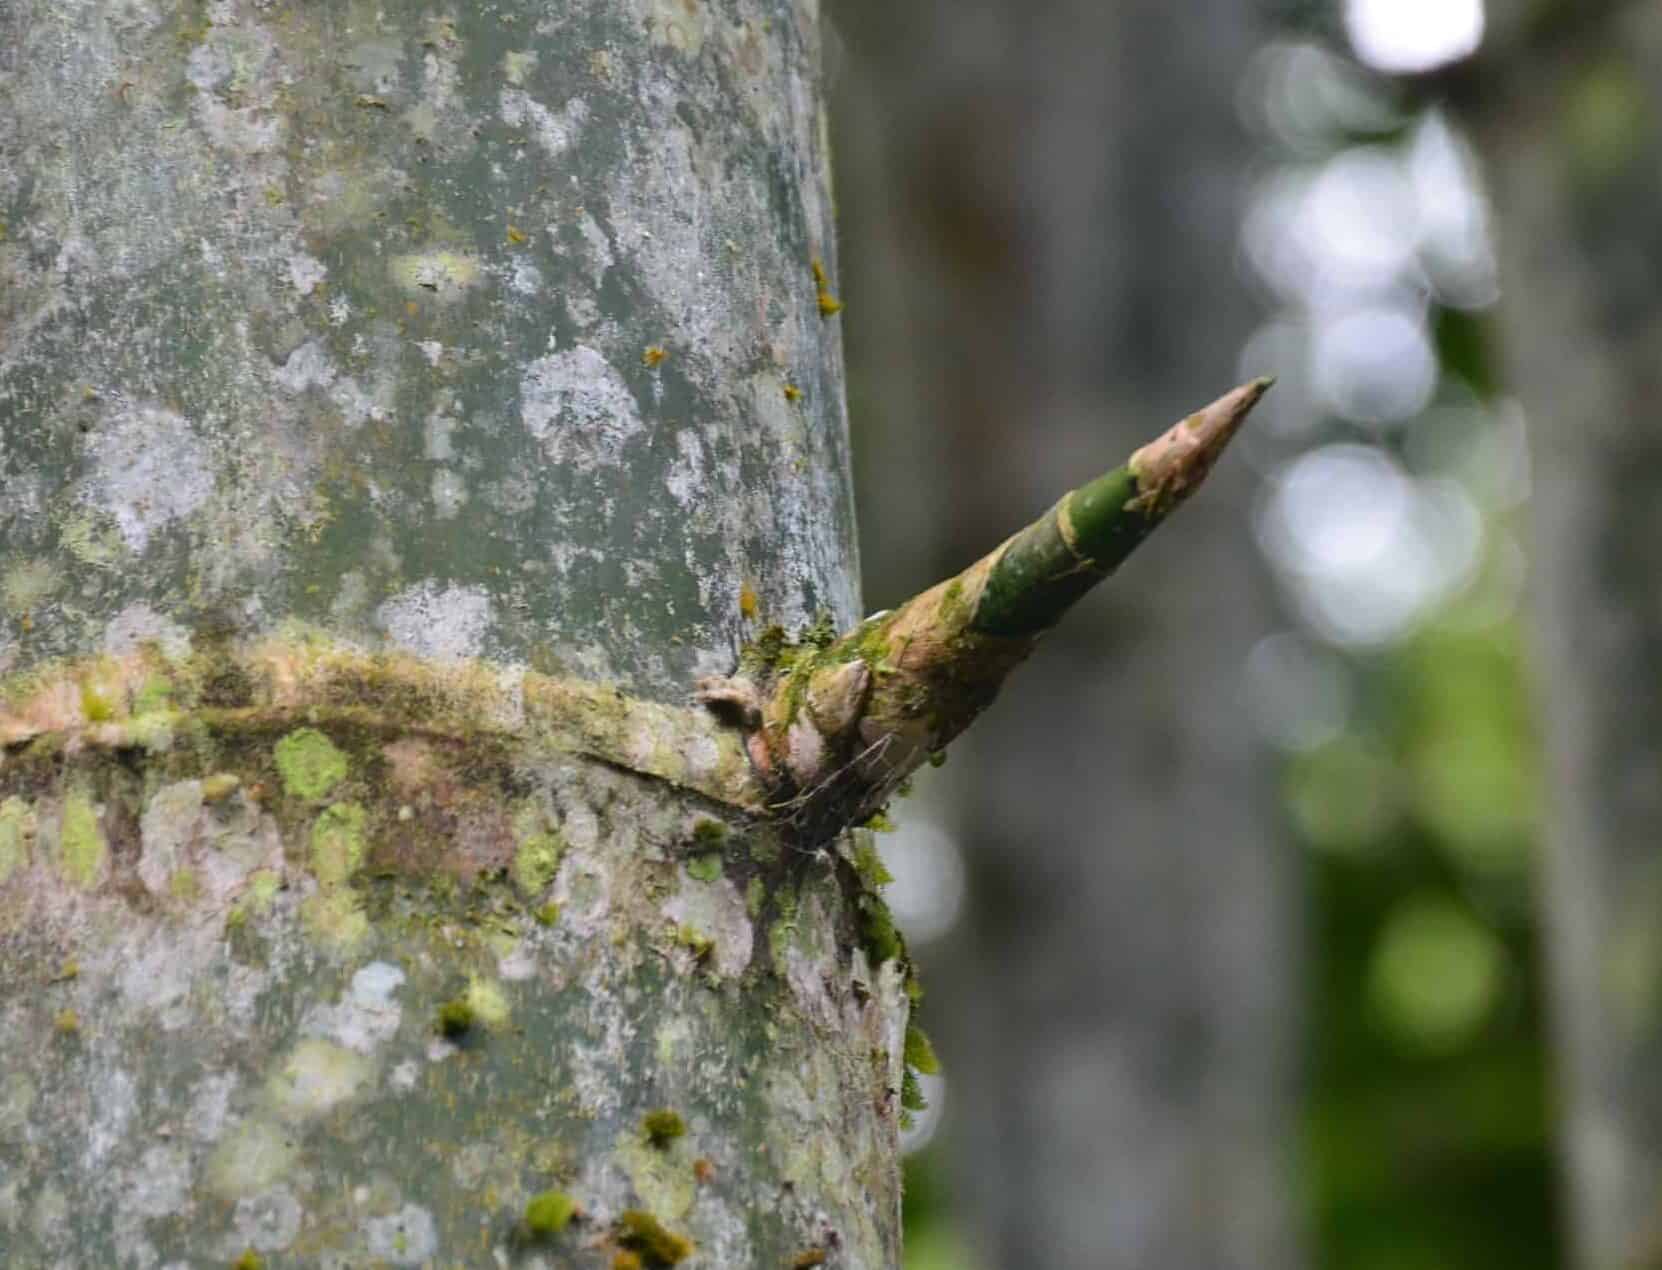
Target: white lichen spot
[[581, 827], [160, 1185], [811, 962], [153, 977], [306, 367], [578, 407], [366, 1016], [526, 278], [138, 625], [205, 1121], [315, 1079], [702, 755], [356, 405], [115, 1105], [340, 310], [686, 472], [599, 247], [305, 272], [714, 911], [267, 1222], [595, 1067], [432, 350], [436, 442], [149, 468], [405, 1238], [585, 312], [243, 130], [208, 66], [166, 830], [403, 1077], [518, 965], [422, 120], [441, 275], [554, 130], [517, 64], [17, 1099], [449, 493], [432, 621], [674, 1043]]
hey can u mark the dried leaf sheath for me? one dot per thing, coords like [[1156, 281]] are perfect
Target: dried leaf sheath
[[834, 729]]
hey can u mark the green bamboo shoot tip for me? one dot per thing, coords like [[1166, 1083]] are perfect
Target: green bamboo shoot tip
[[1043, 570], [837, 727]]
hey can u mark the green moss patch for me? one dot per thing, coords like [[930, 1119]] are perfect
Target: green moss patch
[[82, 849], [641, 1232], [705, 868], [549, 1213], [537, 861], [309, 764], [662, 1127]]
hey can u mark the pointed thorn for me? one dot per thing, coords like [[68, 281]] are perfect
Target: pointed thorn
[[1169, 468]]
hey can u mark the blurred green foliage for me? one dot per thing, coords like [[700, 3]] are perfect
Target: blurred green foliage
[[1427, 1118]]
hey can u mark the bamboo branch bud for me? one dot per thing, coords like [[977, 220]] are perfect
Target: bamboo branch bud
[[843, 723]]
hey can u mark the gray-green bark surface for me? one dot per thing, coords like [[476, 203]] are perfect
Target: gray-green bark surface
[[1570, 118], [368, 374], [346, 313]]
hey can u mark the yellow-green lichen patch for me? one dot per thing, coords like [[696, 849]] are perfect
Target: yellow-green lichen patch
[[442, 275], [639, 1231], [251, 1158], [338, 843], [547, 914], [154, 692], [185, 885], [26, 584], [309, 764], [317, 1077], [82, 851], [91, 539], [16, 831], [250, 1260], [260, 891], [485, 998], [219, 786], [536, 861], [660, 1177], [335, 915], [549, 1213]]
